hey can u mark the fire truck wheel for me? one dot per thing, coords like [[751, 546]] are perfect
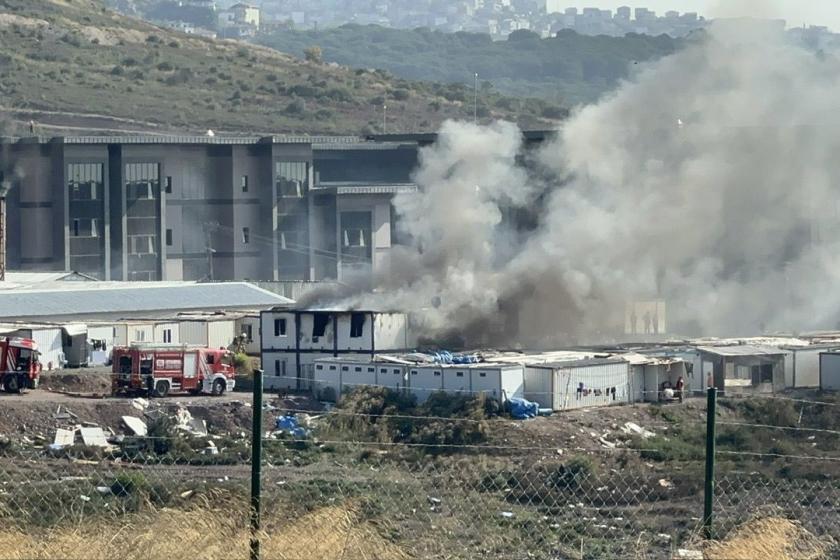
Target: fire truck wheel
[[161, 388], [218, 387], [10, 384]]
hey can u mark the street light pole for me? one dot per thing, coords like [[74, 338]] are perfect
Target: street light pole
[[384, 119], [475, 99]]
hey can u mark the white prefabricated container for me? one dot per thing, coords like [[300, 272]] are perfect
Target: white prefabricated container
[[166, 332], [129, 332], [423, 380], [212, 334], [802, 366], [586, 383], [457, 380], [501, 382], [392, 376], [327, 376], [249, 325], [49, 340], [74, 343], [830, 371]]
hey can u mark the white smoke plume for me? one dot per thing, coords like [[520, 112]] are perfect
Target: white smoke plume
[[709, 180]]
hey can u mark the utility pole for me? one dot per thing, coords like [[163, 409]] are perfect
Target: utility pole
[[709, 487], [384, 119], [475, 99]]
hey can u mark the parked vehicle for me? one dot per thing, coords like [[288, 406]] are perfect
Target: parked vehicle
[[21, 367], [160, 369]]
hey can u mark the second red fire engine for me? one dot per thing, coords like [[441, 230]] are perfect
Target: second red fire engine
[[159, 369]]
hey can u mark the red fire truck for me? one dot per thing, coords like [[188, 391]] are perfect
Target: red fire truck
[[159, 369], [20, 366]]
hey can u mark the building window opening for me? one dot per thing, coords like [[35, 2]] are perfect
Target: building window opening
[[279, 327], [319, 324], [357, 325], [246, 235], [169, 238], [168, 184], [244, 183]]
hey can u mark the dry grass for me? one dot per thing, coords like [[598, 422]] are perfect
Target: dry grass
[[770, 538], [335, 532]]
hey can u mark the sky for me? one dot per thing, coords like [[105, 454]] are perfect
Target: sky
[[796, 12]]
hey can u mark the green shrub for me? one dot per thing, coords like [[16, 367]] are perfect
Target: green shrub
[[165, 67], [129, 483], [400, 94], [243, 363], [117, 71]]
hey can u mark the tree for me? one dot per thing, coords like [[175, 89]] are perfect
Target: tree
[[313, 54]]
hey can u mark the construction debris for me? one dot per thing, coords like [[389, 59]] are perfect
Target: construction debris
[[136, 425], [632, 428], [64, 437], [140, 403], [93, 437]]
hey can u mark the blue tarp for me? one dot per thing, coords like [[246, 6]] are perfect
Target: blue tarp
[[289, 423], [522, 409], [446, 357]]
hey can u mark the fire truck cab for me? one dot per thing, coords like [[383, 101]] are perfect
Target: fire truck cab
[[159, 369], [21, 367]]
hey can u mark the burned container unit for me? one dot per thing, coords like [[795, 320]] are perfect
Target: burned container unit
[[293, 339]]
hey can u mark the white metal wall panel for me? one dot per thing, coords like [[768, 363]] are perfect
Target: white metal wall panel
[[49, 345], [161, 330], [392, 376], [512, 382], [121, 334], [637, 382], [282, 340], [357, 374], [252, 346], [220, 334], [830, 371], [423, 381], [597, 380], [279, 370], [193, 332], [487, 381], [327, 375], [538, 386], [457, 380], [804, 366]]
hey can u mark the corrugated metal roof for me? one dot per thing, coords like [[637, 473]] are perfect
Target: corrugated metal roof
[[306, 139], [53, 303], [330, 146], [742, 350], [361, 187], [156, 139], [582, 363]]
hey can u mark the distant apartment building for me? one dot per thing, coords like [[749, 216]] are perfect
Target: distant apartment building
[[240, 20]]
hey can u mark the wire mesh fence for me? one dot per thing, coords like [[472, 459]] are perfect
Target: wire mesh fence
[[343, 484]]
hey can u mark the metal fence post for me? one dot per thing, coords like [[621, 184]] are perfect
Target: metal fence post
[[709, 491], [256, 463]]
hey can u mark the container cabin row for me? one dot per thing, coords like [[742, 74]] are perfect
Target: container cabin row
[[558, 386], [335, 376], [80, 345]]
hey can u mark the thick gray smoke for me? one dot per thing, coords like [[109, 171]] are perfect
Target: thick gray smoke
[[709, 181]]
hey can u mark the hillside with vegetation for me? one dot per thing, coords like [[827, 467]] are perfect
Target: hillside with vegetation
[[74, 65], [565, 69]]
